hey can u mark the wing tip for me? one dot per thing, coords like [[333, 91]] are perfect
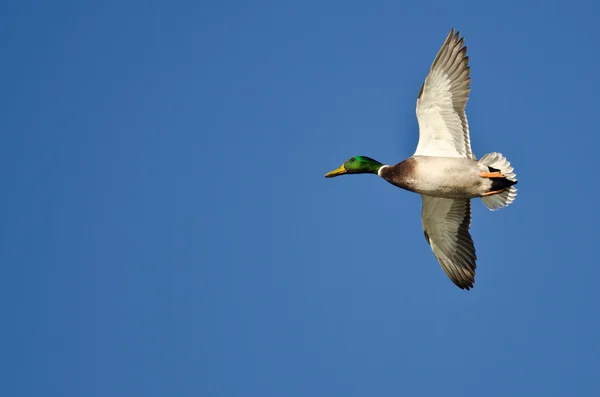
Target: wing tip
[[453, 50], [466, 286], [460, 276]]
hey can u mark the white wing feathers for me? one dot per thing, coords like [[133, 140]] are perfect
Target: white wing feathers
[[446, 225], [443, 126]]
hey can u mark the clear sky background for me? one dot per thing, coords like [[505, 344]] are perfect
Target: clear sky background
[[167, 229]]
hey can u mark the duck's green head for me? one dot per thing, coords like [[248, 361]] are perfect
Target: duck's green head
[[356, 165]]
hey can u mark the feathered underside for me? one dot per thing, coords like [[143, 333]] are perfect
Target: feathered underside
[[443, 125]]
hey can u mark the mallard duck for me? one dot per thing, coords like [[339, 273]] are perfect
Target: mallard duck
[[443, 169]]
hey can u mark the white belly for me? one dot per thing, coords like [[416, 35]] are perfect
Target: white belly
[[449, 177]]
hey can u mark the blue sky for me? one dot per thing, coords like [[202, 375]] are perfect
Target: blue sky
[[168, 231]]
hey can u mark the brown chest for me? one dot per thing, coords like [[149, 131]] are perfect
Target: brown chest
[[402, 174]]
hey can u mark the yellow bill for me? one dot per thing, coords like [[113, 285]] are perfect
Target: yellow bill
[[339, 171]]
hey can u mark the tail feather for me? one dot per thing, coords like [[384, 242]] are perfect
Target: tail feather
[[498, 162]]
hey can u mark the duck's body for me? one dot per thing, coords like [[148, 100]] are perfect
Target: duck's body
[[447, 177], [444, 169]]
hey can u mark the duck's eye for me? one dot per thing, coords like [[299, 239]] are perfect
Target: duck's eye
[[352, 159]]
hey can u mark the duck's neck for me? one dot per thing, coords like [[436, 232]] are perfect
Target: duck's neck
[[383, 166]]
